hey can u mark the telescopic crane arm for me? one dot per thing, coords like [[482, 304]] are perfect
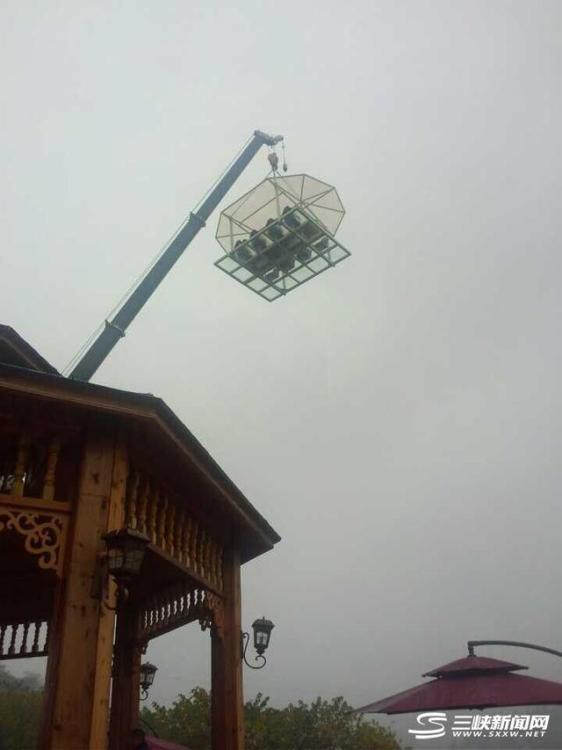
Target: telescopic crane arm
[[116, 327]]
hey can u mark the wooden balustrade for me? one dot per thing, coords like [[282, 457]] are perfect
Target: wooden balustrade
[[22, 640], [170, 526], [28, 464]]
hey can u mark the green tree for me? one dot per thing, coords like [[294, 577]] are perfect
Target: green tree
[[30, 682], [331, 725], [321, 725], [186, 721], [20, 710]]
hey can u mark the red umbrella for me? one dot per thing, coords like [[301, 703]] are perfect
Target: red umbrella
[[471, 682], [155, 743]]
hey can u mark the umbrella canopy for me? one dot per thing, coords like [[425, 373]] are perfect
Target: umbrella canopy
[[471, 682]]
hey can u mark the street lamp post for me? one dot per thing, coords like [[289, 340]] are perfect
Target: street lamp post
[[471, 645]]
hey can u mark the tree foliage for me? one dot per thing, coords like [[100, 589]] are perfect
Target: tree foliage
[[29, 683], [320, 725], [20, 709], [186, 721]]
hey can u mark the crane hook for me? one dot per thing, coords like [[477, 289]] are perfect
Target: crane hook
[[273, 160]]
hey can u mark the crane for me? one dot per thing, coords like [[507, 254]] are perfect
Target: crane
[[116, 327]]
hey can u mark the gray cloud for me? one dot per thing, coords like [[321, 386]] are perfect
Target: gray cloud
[[397, 419]]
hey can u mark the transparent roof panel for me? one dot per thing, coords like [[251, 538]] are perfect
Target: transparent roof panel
[[275, 197], [313, 187]]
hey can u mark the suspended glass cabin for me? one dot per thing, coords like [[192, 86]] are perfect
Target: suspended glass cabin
[[281, 234]]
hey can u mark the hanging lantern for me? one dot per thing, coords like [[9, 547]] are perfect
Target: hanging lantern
[[281, 234], [125, 554], [147, 672], [262, 634]]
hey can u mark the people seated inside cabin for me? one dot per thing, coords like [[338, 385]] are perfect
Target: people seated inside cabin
[[294, 219], [322, 245], [273, 230], [275, 251], [257, 242], [287, 264], [241, 252], [290, 220], [271, 276], [304, 254]]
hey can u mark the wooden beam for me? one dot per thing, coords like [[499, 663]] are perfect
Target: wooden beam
[[218, 723], [116, 518], [78, 672], [34, 503], [227, 701], [125, 692]]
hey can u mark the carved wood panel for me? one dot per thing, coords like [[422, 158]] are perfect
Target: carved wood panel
[[179, 606], [43, 532]]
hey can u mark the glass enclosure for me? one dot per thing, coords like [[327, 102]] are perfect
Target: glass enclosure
[[281, 234]]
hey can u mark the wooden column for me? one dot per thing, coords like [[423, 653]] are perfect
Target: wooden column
[[80, 649], [227, 702], [126, 676]]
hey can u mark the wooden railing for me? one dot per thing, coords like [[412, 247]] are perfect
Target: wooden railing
[[170, 526], [22, 640], [28, 465]]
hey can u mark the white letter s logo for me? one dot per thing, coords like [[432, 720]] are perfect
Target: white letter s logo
[[431, 718]]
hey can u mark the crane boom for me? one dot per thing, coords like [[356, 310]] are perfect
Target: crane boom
[[116, 327]]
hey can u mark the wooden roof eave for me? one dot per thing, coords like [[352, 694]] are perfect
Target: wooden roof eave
[[24, 351], [150, 409]]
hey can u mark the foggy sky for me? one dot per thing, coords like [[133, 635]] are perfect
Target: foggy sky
[[398, 419]]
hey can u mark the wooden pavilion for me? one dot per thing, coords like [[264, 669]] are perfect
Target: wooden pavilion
[[79, 460]]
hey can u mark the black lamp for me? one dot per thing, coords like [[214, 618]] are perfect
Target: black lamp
[[125, 553], [147, 674], [262, 634]]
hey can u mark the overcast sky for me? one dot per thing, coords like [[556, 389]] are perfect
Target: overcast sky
[[397, 420]]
